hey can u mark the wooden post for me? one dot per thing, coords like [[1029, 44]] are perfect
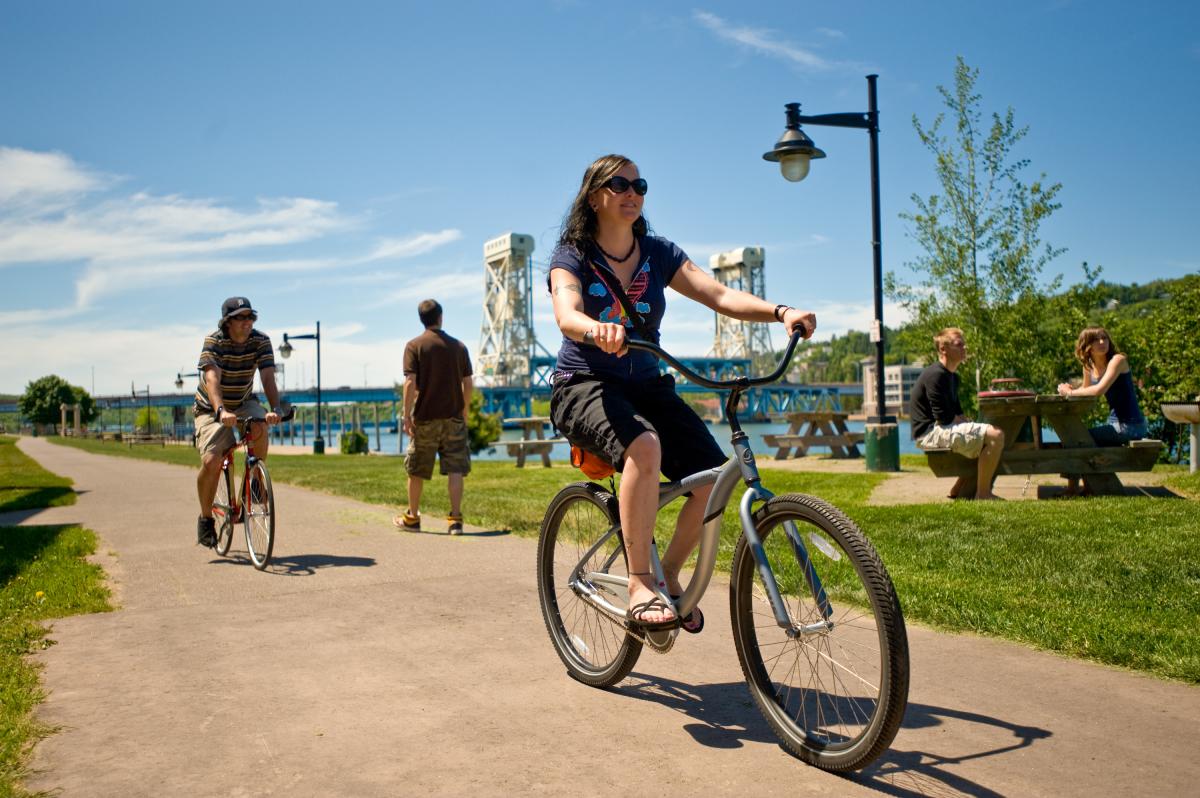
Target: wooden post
[[375, 409]]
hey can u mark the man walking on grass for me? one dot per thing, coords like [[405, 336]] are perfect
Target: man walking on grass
[[437, 396], [937, 415]]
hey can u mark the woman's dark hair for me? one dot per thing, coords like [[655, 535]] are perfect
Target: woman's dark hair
[[579, 224]]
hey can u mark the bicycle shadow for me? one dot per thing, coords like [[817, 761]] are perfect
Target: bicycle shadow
[[728, 718], [299, 564]]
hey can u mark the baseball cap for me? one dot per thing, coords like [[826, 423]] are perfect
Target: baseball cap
[[234, 305]]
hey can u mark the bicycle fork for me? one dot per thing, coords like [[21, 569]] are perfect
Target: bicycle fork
[[755, 492]]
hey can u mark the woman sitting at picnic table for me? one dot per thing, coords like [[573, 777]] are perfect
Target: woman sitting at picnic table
[[1106, 371]]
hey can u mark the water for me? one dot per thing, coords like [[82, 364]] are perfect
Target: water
[[389, 442]]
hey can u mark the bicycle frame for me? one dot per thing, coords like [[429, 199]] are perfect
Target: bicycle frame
[[237, 500], [741, 467]]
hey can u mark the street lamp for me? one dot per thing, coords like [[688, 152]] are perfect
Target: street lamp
[[179, 378], [285, 351], [794, 153]]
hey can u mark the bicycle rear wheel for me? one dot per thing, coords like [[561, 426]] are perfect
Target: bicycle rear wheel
[[835, 692], [223, 510], [259, 515], [593, 643]]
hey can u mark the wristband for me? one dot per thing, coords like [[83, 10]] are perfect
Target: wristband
[[778, 314]]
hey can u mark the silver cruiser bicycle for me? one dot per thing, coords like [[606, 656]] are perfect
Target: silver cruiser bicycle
[[816, 621]]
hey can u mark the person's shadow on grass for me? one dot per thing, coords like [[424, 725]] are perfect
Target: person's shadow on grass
[[728, 718]]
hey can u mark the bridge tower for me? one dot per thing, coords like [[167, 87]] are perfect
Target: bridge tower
[[506, 340], [744, 269]]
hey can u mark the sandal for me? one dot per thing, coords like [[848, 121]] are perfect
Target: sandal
[[635, 614], [694, 622]]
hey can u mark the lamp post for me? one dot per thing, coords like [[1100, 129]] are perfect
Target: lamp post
[[179, 375], [285, 351], [794, 153]]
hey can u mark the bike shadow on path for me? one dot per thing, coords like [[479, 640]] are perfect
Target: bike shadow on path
[[728, 718], [298, 564], [445, 533]]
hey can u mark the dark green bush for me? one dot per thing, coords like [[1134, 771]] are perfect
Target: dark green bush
[[355, 442]]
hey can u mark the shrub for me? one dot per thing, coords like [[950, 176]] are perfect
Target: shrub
[[355, 442]]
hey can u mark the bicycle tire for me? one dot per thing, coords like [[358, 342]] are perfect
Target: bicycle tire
[[259, 515], [223, 511], [836, 694], [596, 648]]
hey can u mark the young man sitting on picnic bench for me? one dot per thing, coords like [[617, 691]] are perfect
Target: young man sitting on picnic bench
[[937, 415]]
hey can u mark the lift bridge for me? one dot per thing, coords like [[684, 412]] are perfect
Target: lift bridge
[[513, 368]]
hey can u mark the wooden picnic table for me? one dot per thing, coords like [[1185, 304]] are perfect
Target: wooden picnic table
[[825, 428], [1075, 453], [533, 439]]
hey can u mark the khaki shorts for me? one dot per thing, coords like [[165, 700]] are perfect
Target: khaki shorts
[[966, 438], [213, 436], [444, 438]]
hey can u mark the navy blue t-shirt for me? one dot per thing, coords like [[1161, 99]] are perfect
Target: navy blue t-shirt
[[660, 259]]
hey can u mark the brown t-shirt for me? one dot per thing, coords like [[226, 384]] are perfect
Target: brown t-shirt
[[439, 363]]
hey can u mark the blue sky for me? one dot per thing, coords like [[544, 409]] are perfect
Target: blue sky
[[343, 161]]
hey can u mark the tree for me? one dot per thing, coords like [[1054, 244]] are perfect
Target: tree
[[43, 399], [984, 257], [483, 429], [147, 420]]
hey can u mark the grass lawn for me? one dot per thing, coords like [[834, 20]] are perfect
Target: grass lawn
[[25, 485], [43, 575], [1112, 579]]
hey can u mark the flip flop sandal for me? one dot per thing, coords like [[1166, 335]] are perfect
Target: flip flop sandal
[[635, 613], [691, 624]]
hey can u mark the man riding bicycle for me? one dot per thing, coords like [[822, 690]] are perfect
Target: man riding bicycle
[[225, 396]]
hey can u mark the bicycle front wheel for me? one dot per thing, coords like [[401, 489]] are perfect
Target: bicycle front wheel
[[592, 642], [259, 515], [223, 511], [836, 688]]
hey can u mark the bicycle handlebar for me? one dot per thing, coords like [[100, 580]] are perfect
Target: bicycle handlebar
[[737, 382]]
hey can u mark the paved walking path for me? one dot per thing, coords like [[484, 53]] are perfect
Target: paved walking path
[[369, 662]]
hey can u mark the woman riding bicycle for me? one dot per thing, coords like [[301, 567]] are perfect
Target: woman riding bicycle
[[613, 402]]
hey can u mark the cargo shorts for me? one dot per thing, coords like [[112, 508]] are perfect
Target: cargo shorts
[[966, 438], [443, 438], [212, 436]]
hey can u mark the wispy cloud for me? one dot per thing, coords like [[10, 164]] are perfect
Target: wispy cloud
[[26, 175], [443, 287], [392, 248], [765, 42]]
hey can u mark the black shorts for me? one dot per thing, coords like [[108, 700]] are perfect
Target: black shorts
[[606, 416]]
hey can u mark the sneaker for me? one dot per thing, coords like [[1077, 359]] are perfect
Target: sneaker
[[206, 532], [455, 524], [407, 522]]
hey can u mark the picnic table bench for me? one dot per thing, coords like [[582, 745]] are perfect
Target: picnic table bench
[[1076, 454], [825, 428], [533, 439], [142, 439]]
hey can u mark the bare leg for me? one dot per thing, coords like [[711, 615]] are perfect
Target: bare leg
[[957, 488], [415, 485], [455, 489], [260, 441], [989, 458], [206, 482], [639, 506], [687, 535]]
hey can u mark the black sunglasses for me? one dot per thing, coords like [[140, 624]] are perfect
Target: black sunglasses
[[619, 185]]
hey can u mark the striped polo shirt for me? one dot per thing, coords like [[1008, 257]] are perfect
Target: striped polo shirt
[[237, 363]]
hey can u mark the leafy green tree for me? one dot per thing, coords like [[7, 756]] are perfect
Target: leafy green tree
[[147, 420], [88, 411], [43, 399], [1160, 343], [483, 428], [983, 255]]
